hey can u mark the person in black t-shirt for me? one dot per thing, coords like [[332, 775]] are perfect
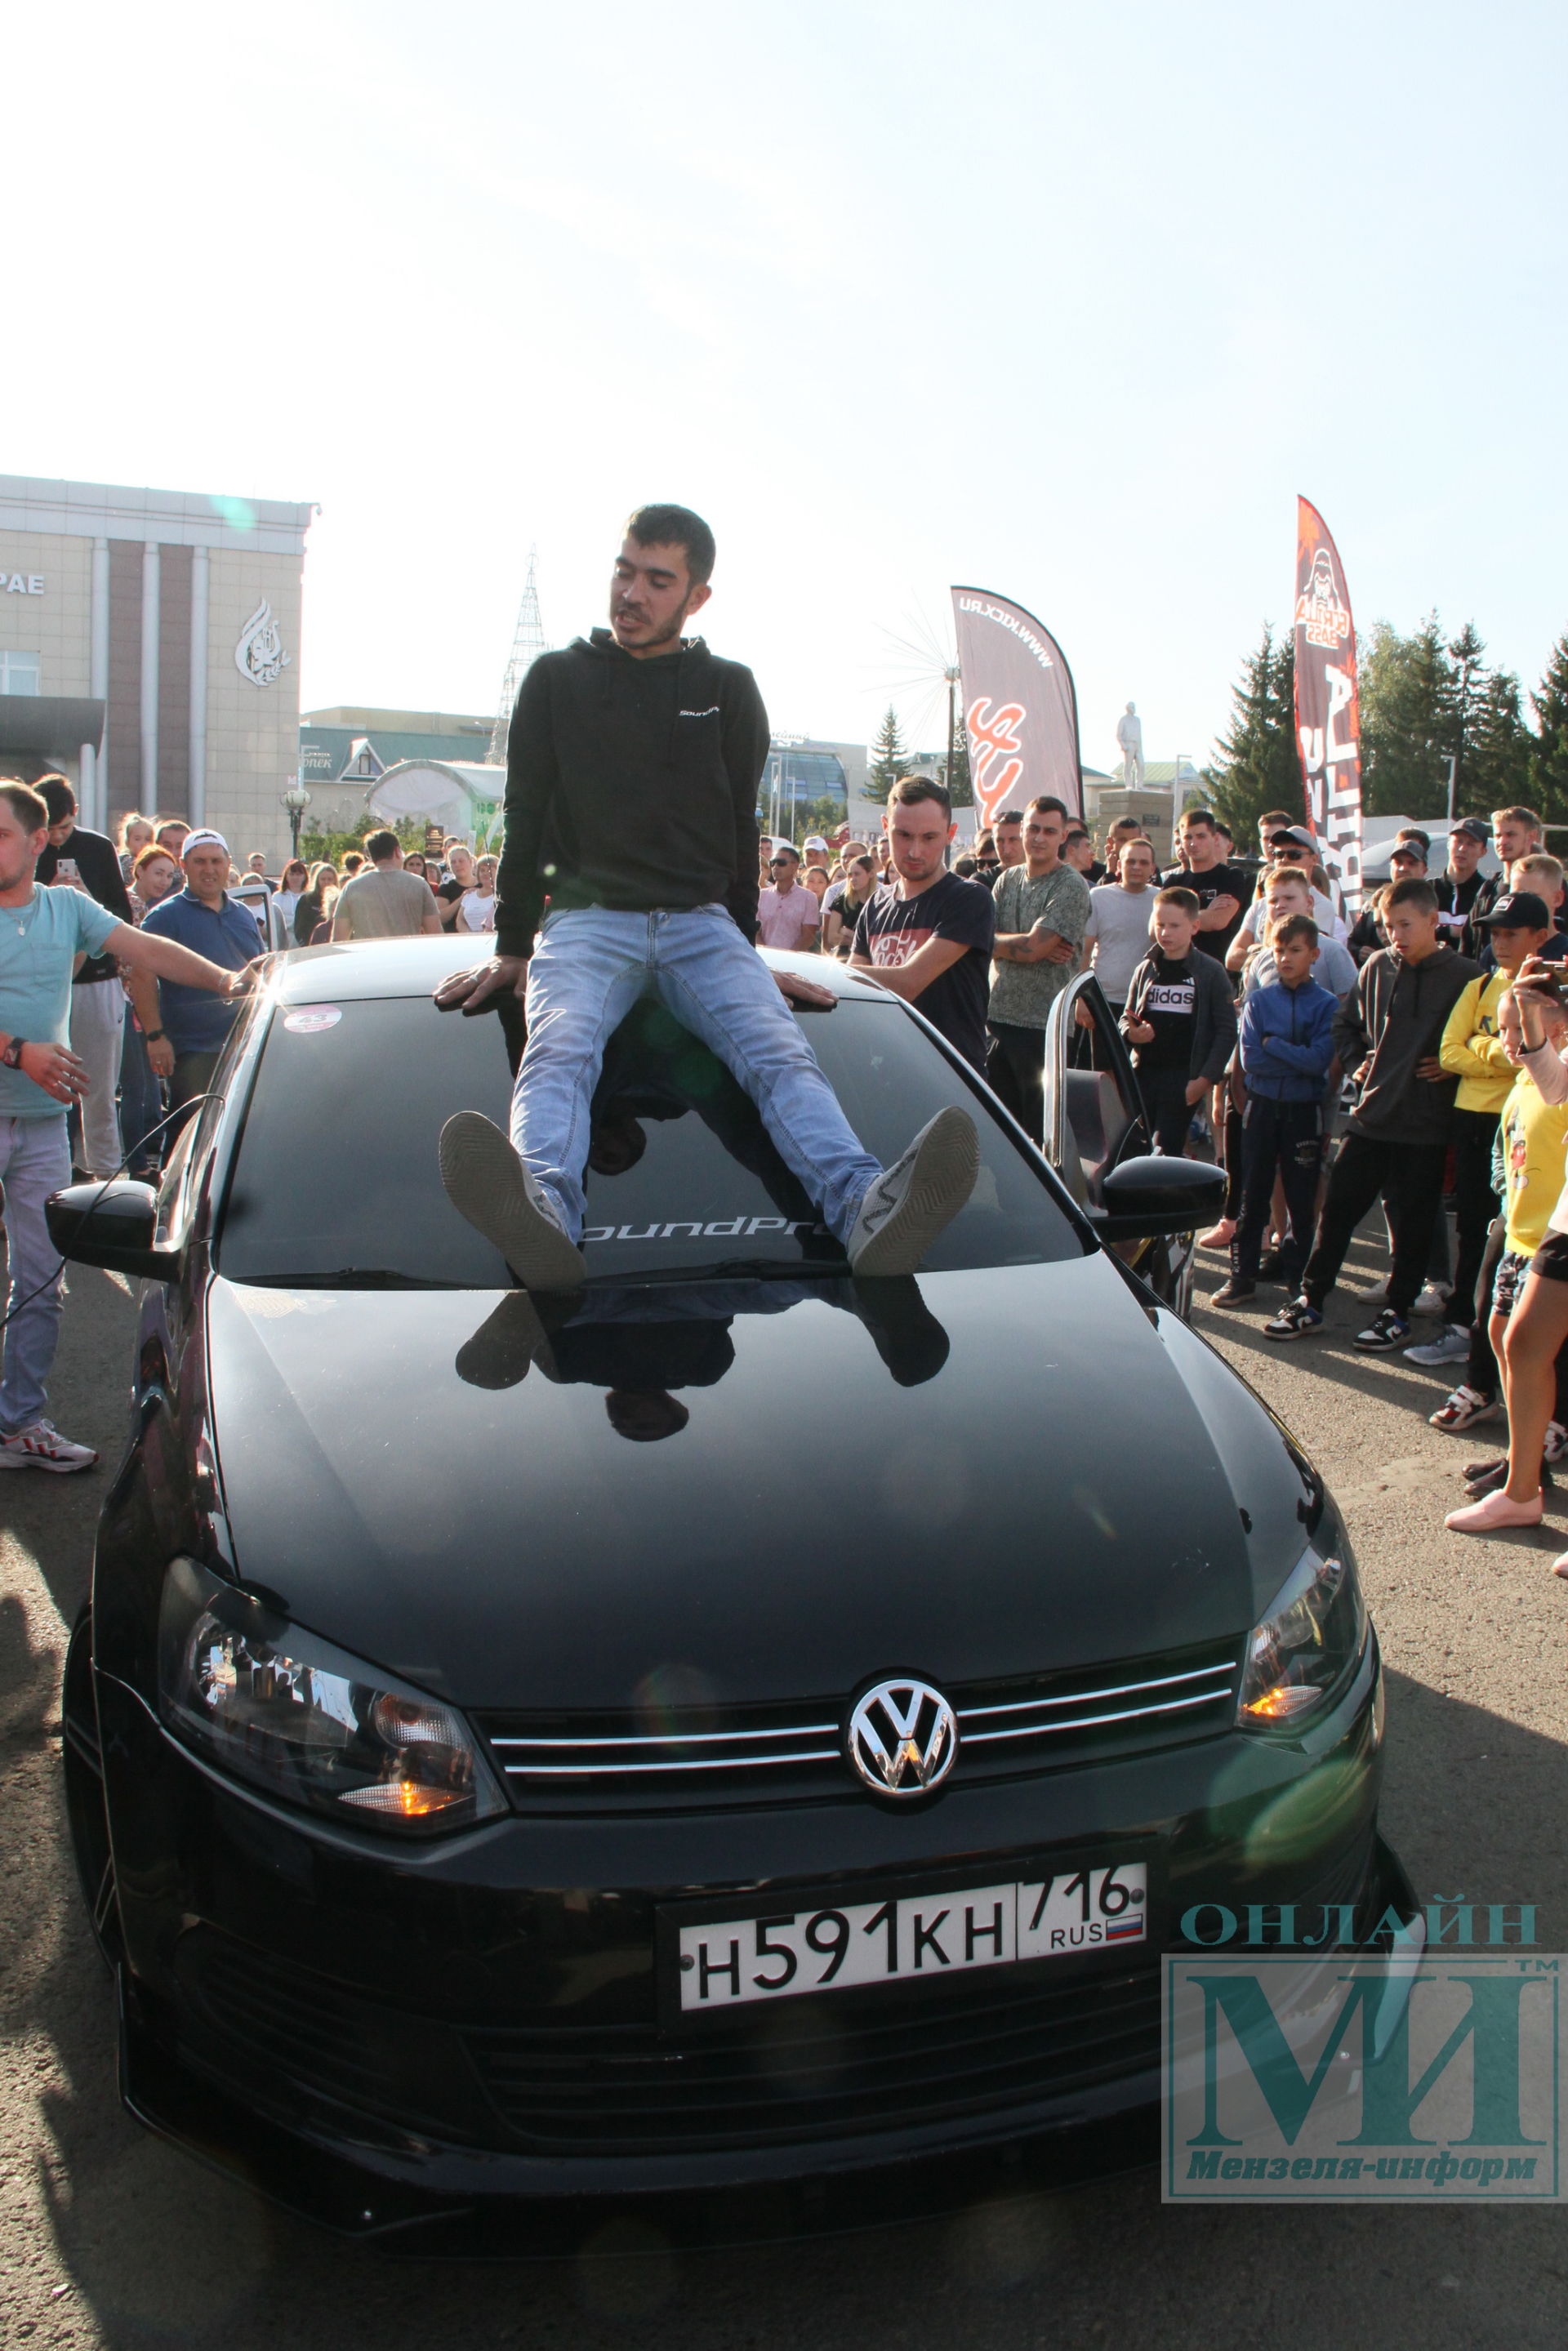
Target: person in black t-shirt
[[1180, 1020], [927, 934], [1223, 890]]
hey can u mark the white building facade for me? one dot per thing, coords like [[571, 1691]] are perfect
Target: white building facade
[[150, 651]]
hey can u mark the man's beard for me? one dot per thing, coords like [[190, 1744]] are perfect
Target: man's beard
[[670, 636]]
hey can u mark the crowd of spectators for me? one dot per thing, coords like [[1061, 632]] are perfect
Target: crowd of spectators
[[1413, 1057]]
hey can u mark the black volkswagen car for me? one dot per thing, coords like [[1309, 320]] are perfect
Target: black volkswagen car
[[732, 1724]]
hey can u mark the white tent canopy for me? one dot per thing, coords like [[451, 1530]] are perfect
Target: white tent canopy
[[460, 799]]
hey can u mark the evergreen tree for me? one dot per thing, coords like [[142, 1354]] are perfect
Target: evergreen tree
[[1547, 786], [1407, 708], [960, 784], [889, 758], [1255, 766], [1495, 770], [1469, 682]]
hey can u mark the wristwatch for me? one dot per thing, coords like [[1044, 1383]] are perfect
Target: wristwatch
[[12, 1057], [152, 1035]]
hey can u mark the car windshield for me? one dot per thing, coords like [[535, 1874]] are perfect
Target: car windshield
[[336, 1173]]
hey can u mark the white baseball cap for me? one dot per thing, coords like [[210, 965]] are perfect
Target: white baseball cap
[[815, 840], [205, 839]]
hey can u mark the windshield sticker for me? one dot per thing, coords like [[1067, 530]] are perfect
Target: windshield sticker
[[307, 1018], [731, 1229]]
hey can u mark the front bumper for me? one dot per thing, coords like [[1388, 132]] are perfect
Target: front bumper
[[391, 2039]]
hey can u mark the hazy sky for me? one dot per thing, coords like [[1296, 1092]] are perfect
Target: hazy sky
[[1067, 302]]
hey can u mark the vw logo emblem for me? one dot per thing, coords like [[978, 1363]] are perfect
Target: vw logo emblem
[[903, 1737]]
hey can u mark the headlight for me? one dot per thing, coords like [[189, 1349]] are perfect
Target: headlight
[[308, 1723], [1305, 1646]]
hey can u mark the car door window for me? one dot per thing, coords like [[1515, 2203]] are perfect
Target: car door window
[[1104, 1121]]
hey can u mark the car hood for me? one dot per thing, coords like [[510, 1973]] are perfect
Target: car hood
[[764, 1484]]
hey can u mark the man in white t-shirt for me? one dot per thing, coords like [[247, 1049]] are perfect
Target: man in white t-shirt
[[1119, 916]]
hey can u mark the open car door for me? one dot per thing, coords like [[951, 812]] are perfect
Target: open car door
[[1147, 1209]]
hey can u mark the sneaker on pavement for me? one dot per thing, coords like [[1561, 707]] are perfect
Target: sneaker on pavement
[[1378, 1295], [1494, 1512], [1462, 1410], [1432, 1298], [1270, 1266], [488, 1183], [1474, 1470], [1296, 1321], [911, 1201], [1220, 1236], [1380, 1338], [1451, 1345], [1494, 1478], [1234, 1293], [42, 1446]]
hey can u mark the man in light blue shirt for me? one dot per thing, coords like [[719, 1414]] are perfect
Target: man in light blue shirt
[[42, 933]]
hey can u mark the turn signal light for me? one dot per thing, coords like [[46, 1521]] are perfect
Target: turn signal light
[[1277, 1705], [408, 1798]]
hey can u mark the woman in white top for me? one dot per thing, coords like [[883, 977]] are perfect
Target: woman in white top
[[477, 910], [292, 885], [1537, 1330]]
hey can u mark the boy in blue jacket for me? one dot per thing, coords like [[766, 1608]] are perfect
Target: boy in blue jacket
[[1286, 1048]]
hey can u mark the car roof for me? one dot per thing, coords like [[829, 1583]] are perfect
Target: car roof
[[356, 969]]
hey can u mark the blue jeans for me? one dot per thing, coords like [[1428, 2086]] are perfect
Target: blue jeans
[[35, 1160], [591, 964], [141, 1102]]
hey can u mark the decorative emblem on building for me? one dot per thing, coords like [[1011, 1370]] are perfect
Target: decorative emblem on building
[[260, 654]]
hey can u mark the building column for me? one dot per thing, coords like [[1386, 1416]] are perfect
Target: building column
[[94, 765], [198, 774], [150, 575]]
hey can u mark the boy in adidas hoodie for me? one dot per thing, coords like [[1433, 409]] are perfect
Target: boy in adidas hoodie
[[1388, 1033], [1287, 1049]]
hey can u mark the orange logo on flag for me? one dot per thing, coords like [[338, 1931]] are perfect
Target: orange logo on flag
[[994, 738]]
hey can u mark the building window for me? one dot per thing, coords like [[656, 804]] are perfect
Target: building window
[[19, 672]]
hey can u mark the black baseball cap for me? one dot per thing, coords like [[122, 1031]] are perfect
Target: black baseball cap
[[1520, 910], [1476, 827]]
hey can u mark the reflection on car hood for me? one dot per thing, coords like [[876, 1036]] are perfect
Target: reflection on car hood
[[734, 1481]]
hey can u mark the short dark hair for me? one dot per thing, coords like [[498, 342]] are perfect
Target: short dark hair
[[1287, 927], [1413, 892], [910, 789], [1128, 824], [381, 844], [27, 805], [1189, 817], [57, 798], [1413, 832], [1044, 804], [668, 526], [1188, 900], [1015, 816], [1275, 816], [784, 848]]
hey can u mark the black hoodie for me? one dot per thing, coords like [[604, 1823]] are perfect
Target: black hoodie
[[631, 784], [1397, 1013]]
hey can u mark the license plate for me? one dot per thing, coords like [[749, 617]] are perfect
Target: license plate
[[915, 1937]]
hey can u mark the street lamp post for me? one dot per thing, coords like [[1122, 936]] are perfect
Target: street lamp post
[[296, 800]]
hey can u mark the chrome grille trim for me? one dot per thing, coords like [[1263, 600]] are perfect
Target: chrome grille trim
[[625, 1757], [1117, 1689]]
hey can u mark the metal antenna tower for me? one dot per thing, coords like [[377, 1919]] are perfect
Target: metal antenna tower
[[527, 644]]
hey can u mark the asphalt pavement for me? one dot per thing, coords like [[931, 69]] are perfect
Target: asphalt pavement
[[107, 2237]]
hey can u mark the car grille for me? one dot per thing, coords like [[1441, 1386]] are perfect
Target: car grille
[[694, 1760], [868, 2062]]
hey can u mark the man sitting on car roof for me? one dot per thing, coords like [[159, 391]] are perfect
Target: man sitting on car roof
[[632, 768]]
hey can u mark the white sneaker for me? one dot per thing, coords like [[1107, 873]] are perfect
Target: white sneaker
[[911, 1202], [1376, 1296], [42, 1446], [1451, 1345], [1433, 1299], [488, 1183]]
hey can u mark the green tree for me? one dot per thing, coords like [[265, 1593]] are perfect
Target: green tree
[[1547, 772], [890, 757], [1255, 765], [960, 784], [1495, 766], [1407, 715]]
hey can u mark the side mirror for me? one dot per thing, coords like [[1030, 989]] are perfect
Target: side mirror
[[112, 1224], [1145, 1197]]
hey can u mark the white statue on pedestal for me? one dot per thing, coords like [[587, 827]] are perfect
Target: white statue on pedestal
[[1130, 736]]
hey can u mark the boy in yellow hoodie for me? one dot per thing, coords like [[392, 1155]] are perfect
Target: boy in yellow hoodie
[[1519, 923]]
